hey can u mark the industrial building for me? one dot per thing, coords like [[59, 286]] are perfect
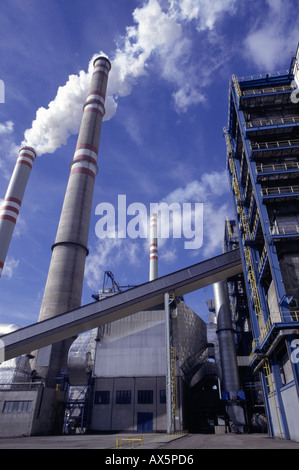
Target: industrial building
[[141, 360], [263, 167], [129, 370]]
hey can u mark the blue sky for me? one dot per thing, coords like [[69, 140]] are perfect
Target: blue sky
[[162, 138]]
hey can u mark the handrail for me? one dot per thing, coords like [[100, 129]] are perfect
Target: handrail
[[280, 190], [262, 168], [275, 144], [272, 122], [261, 91]]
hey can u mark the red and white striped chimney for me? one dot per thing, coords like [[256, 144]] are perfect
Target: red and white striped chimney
[[13, 199], [153, 273], [63, 290]]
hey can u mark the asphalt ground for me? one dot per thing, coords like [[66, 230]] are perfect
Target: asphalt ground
[[161, 442]]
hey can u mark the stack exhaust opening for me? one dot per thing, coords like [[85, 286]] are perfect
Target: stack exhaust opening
[[153, 274], [13, 199]]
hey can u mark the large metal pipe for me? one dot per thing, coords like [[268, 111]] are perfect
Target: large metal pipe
[[13, 199], [63, 288], [228, 356], [230, 382], [153, 274], [169, 425]]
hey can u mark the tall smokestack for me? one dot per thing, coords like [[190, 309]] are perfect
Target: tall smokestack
[[63, 289], [13, 199], [153, 272]]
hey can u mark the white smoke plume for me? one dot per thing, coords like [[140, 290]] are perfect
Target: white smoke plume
[[53, 126], [157, 35]]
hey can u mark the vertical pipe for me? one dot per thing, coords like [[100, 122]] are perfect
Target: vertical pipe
[[13, 199], [63, 288], [230, 382], [153, 274], [168, 364], [228, 356]]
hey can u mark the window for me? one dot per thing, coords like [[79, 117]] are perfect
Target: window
[[17, 406], [102, 397], [162, 396], [123, 397], [145, 397]]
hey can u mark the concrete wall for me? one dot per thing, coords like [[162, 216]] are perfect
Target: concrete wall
[[19, 423], [273, 305], [124, 417], [291, 405], [46, 421], [290, 400], [133, 346], [130, 355], [274, 413]]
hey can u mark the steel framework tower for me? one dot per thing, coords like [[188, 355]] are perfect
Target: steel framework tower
[[262, 140]]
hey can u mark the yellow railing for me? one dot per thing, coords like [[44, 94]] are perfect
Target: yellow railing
[[262, 91], [252, 281], [266, 329], [293, 316], [263, 75], [229, 229], [262, 258], [244, 219], [131, 441], [275, 144], [273, 122], [237, 86], [280, 190], [285, 229], [261, 168]]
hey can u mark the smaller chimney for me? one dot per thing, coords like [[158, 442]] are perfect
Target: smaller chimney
[[153, 274], [13, 199]]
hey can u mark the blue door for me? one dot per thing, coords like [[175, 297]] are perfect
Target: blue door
[[144, 422]]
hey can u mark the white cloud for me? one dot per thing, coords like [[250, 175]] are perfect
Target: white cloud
[[270, 41], [10, 266], [157, 36], [6, 127], [211, 190], [106, 255], [168, 255], [204, 13], [53, 125], [8, 148], [211, 185]]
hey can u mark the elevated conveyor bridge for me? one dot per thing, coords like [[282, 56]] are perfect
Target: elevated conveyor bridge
[[126, 303]]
